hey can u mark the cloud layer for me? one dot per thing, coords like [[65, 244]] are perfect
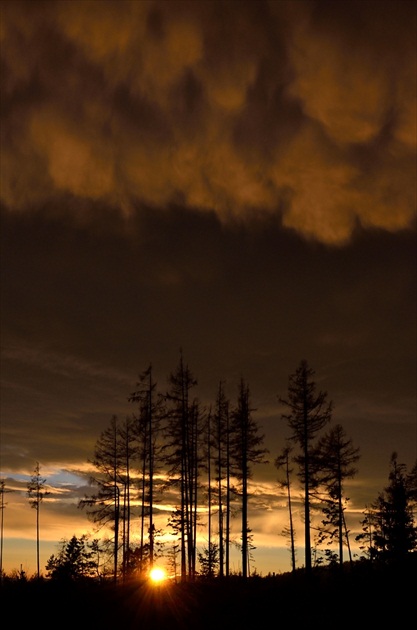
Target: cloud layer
[[306, 110]]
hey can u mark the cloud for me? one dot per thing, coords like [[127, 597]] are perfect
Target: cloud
[[362, 57], [306, 110], [54, 363]]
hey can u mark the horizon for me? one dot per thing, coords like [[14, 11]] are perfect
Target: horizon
[[271, 553]]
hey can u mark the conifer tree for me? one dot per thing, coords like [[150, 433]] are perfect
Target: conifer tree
[[183, 458], [108, 505], [283, 462], [36, 493], [308, 412], [394, 533], [148, 430], [334, 459], [247, 450], [3, 491], [75, 560], [222, 469]]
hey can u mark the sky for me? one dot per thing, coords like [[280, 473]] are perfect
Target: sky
[[235, 180]]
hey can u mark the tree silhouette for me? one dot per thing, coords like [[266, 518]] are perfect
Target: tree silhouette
[[208, 467], [148, 428], [182, 435], [3, 491], [75, 560], [36, 493], [209, 560], [110, 456], [247, 450], [221, 439], [394, 534], [334, 458], [283, 461], [308, 413]]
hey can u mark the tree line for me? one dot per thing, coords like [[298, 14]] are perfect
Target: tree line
[[204, 457]]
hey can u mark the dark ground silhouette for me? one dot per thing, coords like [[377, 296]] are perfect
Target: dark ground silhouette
[[362, 596]]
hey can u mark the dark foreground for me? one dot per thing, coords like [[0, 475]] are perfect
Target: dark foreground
[[361, 596]]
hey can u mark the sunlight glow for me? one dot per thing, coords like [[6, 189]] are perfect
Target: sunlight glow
[[157, 575]]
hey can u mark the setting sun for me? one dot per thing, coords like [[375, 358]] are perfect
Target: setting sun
[[157, 575]]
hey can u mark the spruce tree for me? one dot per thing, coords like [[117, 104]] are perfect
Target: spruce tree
[[36, 493], [335, 459], [247, 450], [308, 413], [395, 534]]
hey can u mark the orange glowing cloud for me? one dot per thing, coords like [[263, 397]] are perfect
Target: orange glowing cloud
[[288, 110]]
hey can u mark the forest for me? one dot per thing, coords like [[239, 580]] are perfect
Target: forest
[[206, 456]]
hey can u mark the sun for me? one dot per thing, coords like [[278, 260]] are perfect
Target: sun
[[157, 575]]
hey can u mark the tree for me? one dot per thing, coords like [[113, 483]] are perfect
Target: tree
[[209, 560], [3, 491], [108, 505], [75, 560], [394, 534], [308, 413], [208, 450], [139, 556], [182, 434], [283, 461], [366, 536], [411, 482], [172, 554], [335, 459], [127, 438], [247, 450], [222, 469], [36, 493], [148, 427]]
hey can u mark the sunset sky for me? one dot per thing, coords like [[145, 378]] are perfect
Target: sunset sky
[[235, 179]]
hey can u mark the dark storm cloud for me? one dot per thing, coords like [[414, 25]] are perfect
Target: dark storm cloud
[[305, 110]]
